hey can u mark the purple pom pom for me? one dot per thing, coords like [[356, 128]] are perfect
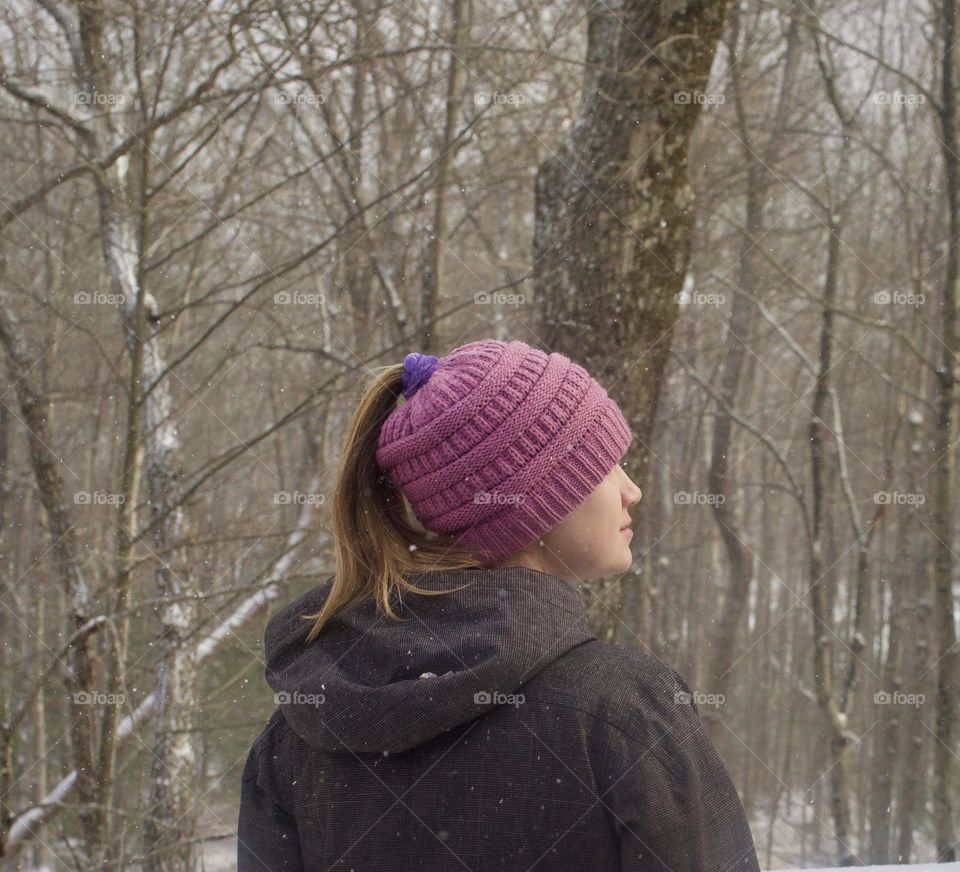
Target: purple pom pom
[[417, 368]]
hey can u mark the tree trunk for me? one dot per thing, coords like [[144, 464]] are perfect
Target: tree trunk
[[910, 794], [614, 206], [835, 719], [886, 736], [34, 410], [433, 268], [169, 829]]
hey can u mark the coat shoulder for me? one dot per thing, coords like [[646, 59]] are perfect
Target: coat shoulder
[[626, 688]]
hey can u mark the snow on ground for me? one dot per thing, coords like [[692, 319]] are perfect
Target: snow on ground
[[912, 867], [221, 856]]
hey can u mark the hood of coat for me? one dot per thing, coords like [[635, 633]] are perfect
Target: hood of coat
[[370, 684]]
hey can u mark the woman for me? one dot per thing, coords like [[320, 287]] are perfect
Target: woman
[[443, 704]]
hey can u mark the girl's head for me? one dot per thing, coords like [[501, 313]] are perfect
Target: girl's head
[[498, 454]]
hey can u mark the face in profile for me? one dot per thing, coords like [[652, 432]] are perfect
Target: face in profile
[[589, 542]]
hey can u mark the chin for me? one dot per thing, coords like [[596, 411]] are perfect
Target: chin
[[614, 560], [624, 562]]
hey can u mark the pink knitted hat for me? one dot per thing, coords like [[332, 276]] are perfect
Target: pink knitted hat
[[497, 442]]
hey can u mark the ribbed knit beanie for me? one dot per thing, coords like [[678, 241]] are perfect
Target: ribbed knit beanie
[[496, 442]]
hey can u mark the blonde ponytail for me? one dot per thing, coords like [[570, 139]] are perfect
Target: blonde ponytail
[[377, 539]]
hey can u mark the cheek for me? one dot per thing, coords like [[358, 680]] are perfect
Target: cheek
[[593, 528], [577, 536], [597, 532]]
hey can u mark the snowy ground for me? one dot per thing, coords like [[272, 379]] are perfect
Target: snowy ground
[[221, 856], [912, 867]]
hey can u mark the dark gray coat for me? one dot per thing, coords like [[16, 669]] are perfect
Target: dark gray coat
[[490, 731]]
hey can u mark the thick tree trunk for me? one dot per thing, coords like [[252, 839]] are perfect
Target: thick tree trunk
[[614, 208]]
